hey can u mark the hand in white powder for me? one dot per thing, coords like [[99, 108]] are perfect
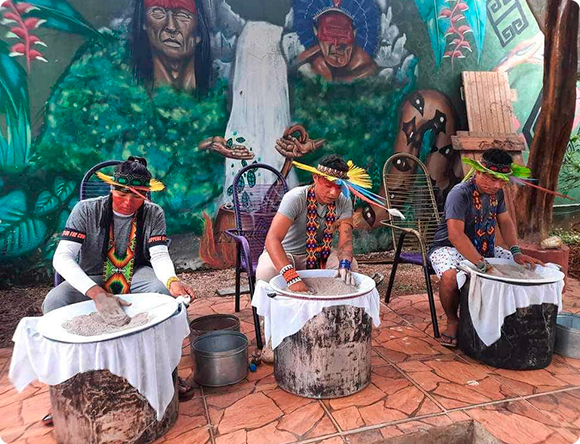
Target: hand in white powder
[[345, 276], [109, 306]]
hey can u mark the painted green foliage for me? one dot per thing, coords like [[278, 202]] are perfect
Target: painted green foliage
[[98, 112], [29, 213]]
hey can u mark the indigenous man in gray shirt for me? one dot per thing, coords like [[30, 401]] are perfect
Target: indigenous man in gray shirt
[[472, 209], [302, 232], [122, 247]]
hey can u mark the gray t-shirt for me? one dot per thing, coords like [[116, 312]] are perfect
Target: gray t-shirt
[[459, 205], [294, 205], [83, 226]]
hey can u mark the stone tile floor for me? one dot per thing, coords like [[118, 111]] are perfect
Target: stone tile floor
[[416, 384]]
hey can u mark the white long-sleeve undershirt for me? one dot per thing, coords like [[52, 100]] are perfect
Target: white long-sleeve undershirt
[[65, 263]]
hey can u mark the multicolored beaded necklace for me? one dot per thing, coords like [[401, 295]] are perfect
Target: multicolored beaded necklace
[[484, 221], [118, 271], [316, 255]]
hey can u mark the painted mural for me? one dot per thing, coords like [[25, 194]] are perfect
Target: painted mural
[[201, 91]]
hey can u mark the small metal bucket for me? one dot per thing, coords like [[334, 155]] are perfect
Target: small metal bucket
[[568, 335], [220, 358], [206, 324]]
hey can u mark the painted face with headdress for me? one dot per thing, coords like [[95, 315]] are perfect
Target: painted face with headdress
[[336, 37]]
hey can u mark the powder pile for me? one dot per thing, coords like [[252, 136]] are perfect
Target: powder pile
[[513, 272], [328, 286], [93, 325]]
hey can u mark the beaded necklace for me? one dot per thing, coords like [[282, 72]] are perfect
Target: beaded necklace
[[316, 255]]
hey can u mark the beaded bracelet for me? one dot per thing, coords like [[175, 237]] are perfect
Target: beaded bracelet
[[345, 263], [482, 266], [290, 274], [170, 281], [293, 281], [515, 249], [286, 268]]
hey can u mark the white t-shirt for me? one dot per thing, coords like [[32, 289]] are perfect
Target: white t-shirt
[[294, 206]]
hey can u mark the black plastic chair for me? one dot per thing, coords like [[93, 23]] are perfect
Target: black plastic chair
[[408, 188], [255, 205], [91, 186]]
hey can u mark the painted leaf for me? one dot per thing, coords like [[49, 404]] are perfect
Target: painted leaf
[[62, 218], [456, 18], [251, 176], [63, 188], [245, 199], [476, 17], [22, 238], [45, 203], [244, 163], [230, 190], [240, 140], [436, 26], [230, 142], [61, 16], [12, 209], [461, 6], [15, 143], [464, 29], [241, 184]]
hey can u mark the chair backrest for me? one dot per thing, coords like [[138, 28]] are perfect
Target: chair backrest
[[408, 188], [257, 192], [91, 186]]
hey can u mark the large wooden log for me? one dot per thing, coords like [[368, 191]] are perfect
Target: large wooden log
[[98, 407], [554, 126]]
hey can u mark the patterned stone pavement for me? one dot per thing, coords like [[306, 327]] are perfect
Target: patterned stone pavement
[[416, 385]]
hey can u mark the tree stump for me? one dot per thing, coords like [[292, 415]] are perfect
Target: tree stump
[[330, 357], [98, 407]]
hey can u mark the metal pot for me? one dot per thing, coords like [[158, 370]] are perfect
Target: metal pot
[[220, 358], [206, 324], [568, 335]]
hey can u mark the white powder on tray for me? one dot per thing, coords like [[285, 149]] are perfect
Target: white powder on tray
[[328, 286], [513, 272], [93, 325]]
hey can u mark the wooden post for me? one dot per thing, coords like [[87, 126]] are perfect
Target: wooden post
[[552, 132]]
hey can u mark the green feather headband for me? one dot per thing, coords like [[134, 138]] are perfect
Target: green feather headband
[[504, 174]]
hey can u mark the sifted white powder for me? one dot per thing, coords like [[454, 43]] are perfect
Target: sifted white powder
[[94, 325], [513, 272], [328, 286]]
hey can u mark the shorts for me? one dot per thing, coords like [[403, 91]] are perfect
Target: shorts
[[448, 258]]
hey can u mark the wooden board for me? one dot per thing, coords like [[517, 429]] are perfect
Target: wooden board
[[488, 100], [512, 143]]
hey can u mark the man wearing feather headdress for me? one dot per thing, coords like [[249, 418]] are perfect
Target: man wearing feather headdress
[[472, 210], [122, 247]]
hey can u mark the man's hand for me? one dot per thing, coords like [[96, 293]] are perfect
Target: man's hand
[[346, 276], [219, 145], [179, 288], [109, 306], [527, 261], [299, 287]]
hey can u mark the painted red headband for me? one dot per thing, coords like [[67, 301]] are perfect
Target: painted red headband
[[188, 5], [497, 168]]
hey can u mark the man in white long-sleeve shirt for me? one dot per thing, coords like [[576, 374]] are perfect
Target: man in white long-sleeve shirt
[[121, 244]]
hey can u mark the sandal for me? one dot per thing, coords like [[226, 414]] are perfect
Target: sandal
[[47, 420], [450, 341], [186, 391]]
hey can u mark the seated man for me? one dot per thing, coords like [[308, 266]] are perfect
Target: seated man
[[472, 209], [302, 232], [122, 245]]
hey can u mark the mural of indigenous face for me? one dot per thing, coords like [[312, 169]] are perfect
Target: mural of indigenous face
[[340, 37], [336, 38], [172, 30], [170, 44]]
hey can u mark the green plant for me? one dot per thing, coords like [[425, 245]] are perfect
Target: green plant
[[569, 237]]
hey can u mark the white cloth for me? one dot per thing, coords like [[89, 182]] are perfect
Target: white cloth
[[284, 316], [145, 359], [491, 301]]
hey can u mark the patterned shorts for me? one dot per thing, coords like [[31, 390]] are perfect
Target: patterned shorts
[[447, 258]]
